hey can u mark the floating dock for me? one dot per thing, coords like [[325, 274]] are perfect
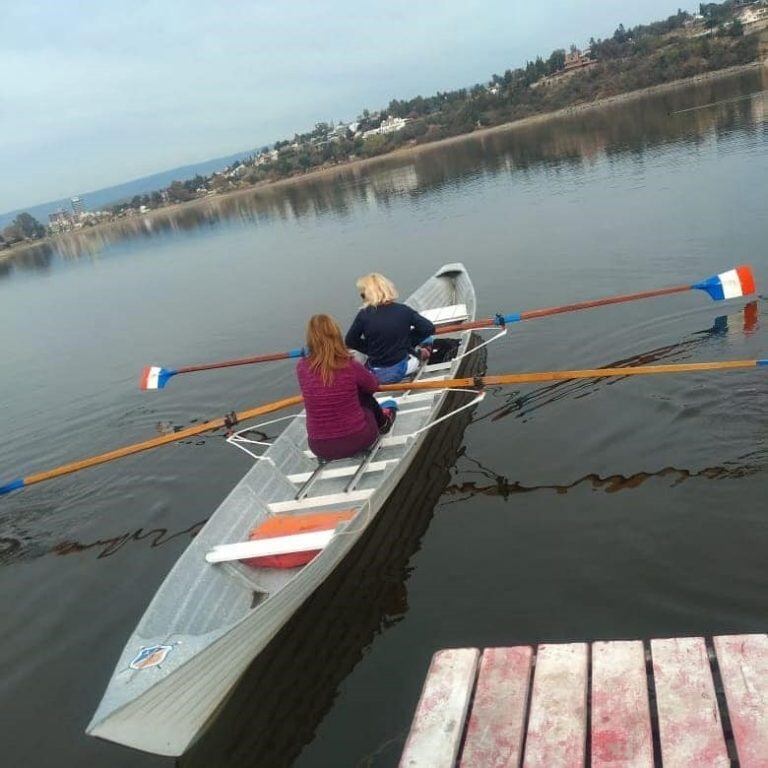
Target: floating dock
[[689, 702]]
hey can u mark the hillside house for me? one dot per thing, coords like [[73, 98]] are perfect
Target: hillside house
[[577, 59]]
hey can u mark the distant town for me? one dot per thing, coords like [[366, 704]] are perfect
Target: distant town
[[720, 35]]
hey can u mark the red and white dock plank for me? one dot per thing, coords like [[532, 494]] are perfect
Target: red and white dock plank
[[743, 662], [496, 726], [558, 721], [435, 736], [621, 716], [689, 721], [528, 706]]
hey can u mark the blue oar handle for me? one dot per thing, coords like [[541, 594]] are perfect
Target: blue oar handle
[[163, 376], [712, 286], [14, 485]]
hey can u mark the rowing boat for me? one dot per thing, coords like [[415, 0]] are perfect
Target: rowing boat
[[213, 614]]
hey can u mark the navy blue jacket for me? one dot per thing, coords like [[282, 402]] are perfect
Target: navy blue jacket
[[387, 333]]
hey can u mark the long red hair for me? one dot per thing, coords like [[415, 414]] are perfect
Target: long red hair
[[326, 351]]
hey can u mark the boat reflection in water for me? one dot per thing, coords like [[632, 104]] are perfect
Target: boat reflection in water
[[282, 698]]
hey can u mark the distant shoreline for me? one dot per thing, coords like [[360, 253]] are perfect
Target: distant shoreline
[[407, 151]]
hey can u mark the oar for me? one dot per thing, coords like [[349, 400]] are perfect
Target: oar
[[466, 383], [736, 282], [103, 458], [727, 285], [155, 377], [589, 373]]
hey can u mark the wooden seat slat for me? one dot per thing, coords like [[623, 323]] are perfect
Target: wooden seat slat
[[278, 545]]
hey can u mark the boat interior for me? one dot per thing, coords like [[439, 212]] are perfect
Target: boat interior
[[287, 480]]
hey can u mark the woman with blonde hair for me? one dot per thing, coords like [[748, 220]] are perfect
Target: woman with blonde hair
[[343, 416], [388, 332]]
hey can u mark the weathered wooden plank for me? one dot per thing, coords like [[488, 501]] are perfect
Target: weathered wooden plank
[[621, 717], [497, 722], [743, 662], [438, 724], [689, 721], [558, 721]]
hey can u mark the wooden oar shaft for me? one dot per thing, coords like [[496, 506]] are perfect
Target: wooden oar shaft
[[470, 325], [128, 450], [464, 383], [589, 373], [237, 361], [621, 299], [487, 322], [532, 314]]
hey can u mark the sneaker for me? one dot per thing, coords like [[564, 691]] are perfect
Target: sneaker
[[389, 409]]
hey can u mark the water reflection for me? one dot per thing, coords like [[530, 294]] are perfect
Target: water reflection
[[574, 139], [502, 486], [37, 259], [155, 537], [522, 405]]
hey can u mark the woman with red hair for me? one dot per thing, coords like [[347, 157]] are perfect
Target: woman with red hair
[[343, 416]]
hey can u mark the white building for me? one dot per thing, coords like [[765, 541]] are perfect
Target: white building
[[241, 170], [390, 125], [393, 124], [60, 221], [78, 205]]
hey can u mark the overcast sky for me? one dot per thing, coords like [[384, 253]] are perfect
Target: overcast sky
[[95, 92]]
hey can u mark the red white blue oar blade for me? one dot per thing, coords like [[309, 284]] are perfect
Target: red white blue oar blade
[[739, 281], [154, 377]]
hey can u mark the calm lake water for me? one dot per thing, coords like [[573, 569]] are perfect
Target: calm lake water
[[593, 509]]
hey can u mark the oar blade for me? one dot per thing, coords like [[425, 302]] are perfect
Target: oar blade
[[154, 377], [739, 281]]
